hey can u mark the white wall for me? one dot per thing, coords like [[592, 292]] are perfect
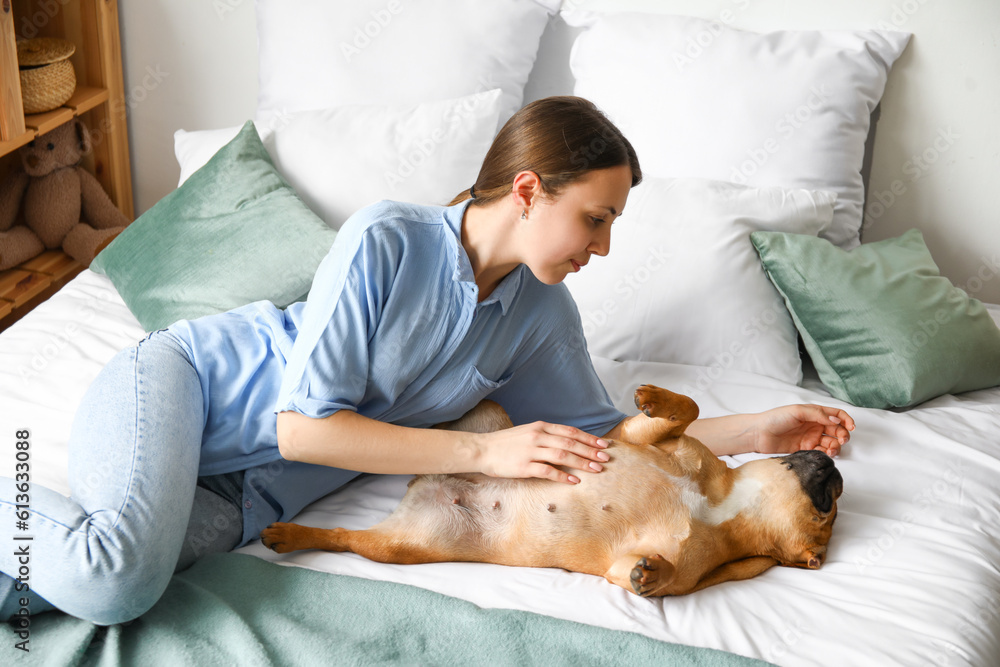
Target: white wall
[[188, 64], [192, 64]]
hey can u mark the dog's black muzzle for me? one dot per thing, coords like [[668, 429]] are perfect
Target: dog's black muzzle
[[818, 475]]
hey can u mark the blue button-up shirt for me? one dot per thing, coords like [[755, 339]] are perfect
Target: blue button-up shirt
[[392, 329]]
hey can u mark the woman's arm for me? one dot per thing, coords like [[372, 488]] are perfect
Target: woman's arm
[[351, 441], [778, 431], [725, 436]]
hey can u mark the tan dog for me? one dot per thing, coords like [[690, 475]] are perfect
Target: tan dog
[[665, 517]]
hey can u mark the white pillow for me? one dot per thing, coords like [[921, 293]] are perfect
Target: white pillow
[[321, 53], [341, 159], [683, 283], [696, 98]]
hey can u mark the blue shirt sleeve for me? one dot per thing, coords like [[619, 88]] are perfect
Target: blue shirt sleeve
[[558, 383], [327, 369]]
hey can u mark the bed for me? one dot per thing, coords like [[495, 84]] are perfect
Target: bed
[[765, 220]]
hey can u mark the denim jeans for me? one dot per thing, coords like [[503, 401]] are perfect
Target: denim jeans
[[106, 553]]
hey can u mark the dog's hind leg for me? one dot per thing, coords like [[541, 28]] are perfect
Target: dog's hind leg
[[287, 537], [385, 546], [736, 570], [439, 519]]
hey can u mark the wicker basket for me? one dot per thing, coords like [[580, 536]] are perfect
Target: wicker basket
[[47, 75]]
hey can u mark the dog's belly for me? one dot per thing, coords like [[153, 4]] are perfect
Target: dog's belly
[[633, 506]]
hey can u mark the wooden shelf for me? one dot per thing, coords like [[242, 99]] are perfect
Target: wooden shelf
[[16, 142], [53, 263], [99, 103], [48, 121], [18, 286], [25, 287], [84, 99]]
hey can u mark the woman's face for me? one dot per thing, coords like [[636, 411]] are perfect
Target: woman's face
[[562, 233]]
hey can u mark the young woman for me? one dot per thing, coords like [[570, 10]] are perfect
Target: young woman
[[206, 432]]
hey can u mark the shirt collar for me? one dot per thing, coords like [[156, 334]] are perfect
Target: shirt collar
[[508, 287]]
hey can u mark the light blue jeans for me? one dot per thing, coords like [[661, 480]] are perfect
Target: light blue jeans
[[106, 553]]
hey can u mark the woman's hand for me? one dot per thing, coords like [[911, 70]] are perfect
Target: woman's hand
[[793, 427], [535, 450]]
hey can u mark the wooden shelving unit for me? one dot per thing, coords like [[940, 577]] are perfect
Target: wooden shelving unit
[[99, 102]]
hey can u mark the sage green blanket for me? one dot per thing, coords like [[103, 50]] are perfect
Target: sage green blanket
[[234, 609]]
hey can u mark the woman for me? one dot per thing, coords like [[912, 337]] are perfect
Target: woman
[[208, 431]]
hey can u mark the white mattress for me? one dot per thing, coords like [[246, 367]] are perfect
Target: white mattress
[[912, 574]]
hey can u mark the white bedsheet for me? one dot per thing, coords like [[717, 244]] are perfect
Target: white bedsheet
[[911, 576]]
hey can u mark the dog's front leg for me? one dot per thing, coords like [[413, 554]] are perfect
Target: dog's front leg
[[736, 570], [664, 415], [642, 575]]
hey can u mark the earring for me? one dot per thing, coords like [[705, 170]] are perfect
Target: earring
[[524, 214]]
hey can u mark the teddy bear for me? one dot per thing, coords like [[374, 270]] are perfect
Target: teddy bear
[[64, 205]]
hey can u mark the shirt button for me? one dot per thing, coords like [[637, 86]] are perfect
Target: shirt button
[[247, 504]]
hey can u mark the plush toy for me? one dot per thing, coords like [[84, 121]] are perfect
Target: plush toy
[[64, 205]]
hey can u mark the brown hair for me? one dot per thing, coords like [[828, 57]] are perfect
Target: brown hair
[[561, 139]]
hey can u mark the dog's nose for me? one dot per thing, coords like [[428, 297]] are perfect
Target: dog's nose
[[818, 476]]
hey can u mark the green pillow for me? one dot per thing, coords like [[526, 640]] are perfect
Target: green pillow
[[233, 233], [883, 327]]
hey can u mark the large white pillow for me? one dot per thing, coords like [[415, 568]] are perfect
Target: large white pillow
[[341, 159], [697, 98], [683, 283], [321, 53]]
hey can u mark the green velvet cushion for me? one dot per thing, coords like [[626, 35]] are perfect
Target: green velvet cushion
[[233, 233], [883, 327]]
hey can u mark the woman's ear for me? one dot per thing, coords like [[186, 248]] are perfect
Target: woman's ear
[[526, 189]]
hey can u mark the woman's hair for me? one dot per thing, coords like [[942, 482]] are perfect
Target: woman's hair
[[561, 139]]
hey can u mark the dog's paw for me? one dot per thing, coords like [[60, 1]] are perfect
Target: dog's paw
[[659, 403], [646, 399], [282, 537], [650, 573]]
